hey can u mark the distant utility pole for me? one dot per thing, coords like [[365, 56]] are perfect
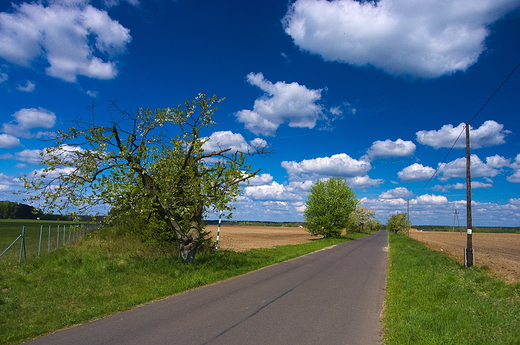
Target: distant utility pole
[[456, 220], [469, 247]]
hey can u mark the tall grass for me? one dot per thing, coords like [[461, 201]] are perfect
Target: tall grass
[[432, 299], [105, 274]]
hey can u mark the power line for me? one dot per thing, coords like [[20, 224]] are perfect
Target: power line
[[467, 124]]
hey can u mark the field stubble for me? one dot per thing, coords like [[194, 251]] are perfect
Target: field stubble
[[499, 252], [242, 238]]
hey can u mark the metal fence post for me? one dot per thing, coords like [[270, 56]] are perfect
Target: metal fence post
[[23, 251], [40, 241]]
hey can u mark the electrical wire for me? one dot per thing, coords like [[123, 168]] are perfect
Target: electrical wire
[[467, 124]]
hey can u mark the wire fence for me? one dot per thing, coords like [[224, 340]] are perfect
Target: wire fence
[[34, 242]]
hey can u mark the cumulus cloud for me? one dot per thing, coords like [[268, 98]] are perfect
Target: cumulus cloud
[[399, 192], [221, 140], [27, 119], [458, 186], [457, 168], [336, 165], [282, 102], [294, 191], [8, 183], [7, 141], [71, 38], [260, 179], [515, 178], [415, 172], [360, 182], [430, 199], [497, 161], [424, 39], [29, 156], [389, 148], [490, 133]]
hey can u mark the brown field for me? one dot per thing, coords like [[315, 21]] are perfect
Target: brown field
[[242, 238], [499, 252]]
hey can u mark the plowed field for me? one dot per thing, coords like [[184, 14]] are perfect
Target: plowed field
[[500, 252], [242, 238]]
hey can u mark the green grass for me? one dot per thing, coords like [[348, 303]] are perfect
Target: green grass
[[10, 229], [104, 274], [432, 299]]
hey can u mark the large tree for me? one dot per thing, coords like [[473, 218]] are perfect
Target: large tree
[[329, 205], [152, 162]]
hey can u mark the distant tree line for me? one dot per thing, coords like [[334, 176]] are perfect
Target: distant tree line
[[15, 210]]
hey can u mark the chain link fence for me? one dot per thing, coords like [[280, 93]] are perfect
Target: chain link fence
[[34, 241]]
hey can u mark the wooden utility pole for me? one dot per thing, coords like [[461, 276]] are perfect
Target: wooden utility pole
[[469, 247]]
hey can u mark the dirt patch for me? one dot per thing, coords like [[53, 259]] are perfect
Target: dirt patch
[[499, 252], [242, 238]]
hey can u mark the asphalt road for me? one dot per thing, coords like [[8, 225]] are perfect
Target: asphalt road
[[333, 296]]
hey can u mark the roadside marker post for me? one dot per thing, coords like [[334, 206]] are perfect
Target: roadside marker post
[[218, 230]]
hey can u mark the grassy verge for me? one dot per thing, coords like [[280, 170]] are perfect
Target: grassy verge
[[432, 299], [104, 274]]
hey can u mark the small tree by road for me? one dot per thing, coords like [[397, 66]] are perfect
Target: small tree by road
[[329, 205], [363, 219], [398, 223]]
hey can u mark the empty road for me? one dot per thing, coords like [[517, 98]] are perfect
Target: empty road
[[333, 296]]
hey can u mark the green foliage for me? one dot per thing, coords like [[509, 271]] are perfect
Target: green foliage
[[151, 163], [363, 220], [398, 223], [329, 205], [432, 299]]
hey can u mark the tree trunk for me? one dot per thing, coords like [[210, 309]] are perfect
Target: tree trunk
[[188, 247]]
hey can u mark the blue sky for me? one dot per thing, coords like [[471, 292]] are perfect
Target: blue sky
[[373, 92]]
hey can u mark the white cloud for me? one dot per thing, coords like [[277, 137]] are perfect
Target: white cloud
[[490, 133], [458, 186], [336, 165], [457, 168], [428, 199], [424, 39], [93, 94], [361, 182], [29, 156], [497, 161], [8, 183], [28, 87], [72, 37], [281, 103], [112, 3], [3, 77], [27, 119], [399, 192], [235, 141], [261, 179], [64, 152], [515, 178], [415, 172], [7, 141], [273, 191], [389, 148]]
